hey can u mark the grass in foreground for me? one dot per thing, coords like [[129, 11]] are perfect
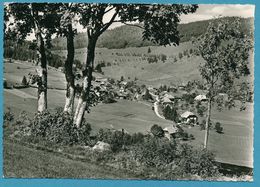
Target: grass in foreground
[[23, 162]]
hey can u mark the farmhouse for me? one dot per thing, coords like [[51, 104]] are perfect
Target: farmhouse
[[224, 96], [182, 86], [122, 95], [201, 98], [169, 96], [173, 131], [166, 101], [189, 117], [101, 79]]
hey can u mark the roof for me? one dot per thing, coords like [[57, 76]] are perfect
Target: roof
[[166, 100], [171, 129], [200, 97], [169, 96], [187, 114]]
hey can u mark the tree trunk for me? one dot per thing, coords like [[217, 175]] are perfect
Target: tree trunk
[[87, 78], [41, 58], [70, 90], [207, 125], [42, 73]]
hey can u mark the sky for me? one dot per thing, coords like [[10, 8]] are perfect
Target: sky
[[209, 11], [204, 12]]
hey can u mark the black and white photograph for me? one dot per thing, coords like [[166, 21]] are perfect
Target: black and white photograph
[[128, 91]]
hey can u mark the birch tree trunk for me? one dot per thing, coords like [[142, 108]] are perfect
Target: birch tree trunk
[[207, 124], [70, 79], [42, 73], [41, 58], [87, 78]]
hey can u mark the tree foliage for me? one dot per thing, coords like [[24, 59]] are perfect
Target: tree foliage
[[157, 131], [225, 50]]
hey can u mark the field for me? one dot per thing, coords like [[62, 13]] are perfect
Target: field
[[131, 63]]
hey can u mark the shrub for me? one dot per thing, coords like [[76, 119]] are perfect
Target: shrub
[[163, 57], [99, 68], [155, 152], [203, 125], [8, 116], [185, 136], [180, 55], [24, 81], [196, 162], [108, 100], [147, 96], [58, 128], [137, 138], [157, 131], [218, 127], [149, 50], [116, 139], [170, 113]]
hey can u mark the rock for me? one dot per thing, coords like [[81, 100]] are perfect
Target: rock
[[86, 147], [102, 146]]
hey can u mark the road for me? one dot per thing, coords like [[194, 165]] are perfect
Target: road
[[156, 106]]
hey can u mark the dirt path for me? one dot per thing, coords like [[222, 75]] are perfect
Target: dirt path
[[156, 106]]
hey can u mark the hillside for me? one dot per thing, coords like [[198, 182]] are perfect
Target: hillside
[[133, 63], [129, 36]]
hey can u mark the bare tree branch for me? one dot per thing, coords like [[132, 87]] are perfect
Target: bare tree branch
[[106, 25], [109, 10]]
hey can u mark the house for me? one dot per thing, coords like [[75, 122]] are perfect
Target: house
[[166, 101], [189, 117], [182, 86], [101, 79], [172, 131], [224, 96], [173, 89], [122, 95], [201, 98], [169, 96]]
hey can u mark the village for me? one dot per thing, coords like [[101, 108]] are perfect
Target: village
[[184, 105]]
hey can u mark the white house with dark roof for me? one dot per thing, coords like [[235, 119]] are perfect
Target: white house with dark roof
[[189, 117], [201, 98]]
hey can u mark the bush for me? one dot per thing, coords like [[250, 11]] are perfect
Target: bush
[[170, 113], [185, 136], [155, 152], [116, 139], [157, 131], [196, 162], [58, 128], [8, 116], [24, 81], [203, 125], [180, 55], [147, 96], [109, 99], [218, 127]]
